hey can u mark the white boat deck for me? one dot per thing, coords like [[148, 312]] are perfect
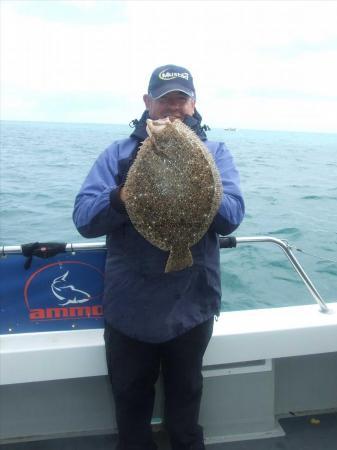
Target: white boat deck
[[301, 434]]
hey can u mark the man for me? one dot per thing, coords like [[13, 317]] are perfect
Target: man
[[154, 320]]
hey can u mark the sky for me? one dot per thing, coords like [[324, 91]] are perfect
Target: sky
[[256, 64]]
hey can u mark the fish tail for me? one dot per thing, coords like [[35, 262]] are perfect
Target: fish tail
[[179, 259]]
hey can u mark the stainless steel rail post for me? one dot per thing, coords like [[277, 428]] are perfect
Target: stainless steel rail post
[[296, 265]]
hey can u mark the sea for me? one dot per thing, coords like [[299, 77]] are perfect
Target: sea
[[289, 182]]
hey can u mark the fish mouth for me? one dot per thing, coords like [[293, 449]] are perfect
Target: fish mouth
[[154, 127]]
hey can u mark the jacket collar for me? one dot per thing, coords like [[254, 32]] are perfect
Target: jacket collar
[[194, 122]]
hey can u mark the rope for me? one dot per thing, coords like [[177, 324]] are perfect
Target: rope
[[334, 261]]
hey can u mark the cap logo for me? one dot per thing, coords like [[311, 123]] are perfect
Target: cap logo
[[165, 75]]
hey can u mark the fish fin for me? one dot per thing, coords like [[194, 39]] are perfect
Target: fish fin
[[179, 259]]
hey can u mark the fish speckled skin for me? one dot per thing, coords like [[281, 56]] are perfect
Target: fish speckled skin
[[173, 190]]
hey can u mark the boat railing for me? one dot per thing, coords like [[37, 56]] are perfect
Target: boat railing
[[231, 241], [225, 242]]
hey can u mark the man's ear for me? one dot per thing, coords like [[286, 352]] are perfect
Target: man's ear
[[147, 100], [193, 102]]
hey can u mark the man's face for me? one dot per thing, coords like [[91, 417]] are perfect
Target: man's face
[[175, 105]]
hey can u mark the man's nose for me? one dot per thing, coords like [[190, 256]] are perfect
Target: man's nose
[[173, 105]]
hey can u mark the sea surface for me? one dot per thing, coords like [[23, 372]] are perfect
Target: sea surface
[[289, 181]]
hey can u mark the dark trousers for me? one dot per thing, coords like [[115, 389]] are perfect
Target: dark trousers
[[134, 369]]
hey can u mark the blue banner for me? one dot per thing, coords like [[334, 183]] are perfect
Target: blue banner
[[59, 293]]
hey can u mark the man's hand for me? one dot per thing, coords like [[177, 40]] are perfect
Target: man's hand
[[123, 194]]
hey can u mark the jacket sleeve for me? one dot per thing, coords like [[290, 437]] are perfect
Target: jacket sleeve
[[232, 208], [98, 209]]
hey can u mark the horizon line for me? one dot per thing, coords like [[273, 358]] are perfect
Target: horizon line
[[223, 128]]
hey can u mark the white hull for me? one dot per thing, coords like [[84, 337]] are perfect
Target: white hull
[[260, 365]]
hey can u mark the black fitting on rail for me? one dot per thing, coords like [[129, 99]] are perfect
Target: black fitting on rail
[[227, 242], [41, 250]]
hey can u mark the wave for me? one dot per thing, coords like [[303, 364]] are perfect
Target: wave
[[319, 197], [292, 232]]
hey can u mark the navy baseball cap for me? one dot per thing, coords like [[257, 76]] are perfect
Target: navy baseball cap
[[171, 78]]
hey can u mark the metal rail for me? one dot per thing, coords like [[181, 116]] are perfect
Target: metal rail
[[231, 241], [16, 249], [225, 242]]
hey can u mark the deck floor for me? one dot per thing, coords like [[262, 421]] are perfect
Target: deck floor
[[300, 435]]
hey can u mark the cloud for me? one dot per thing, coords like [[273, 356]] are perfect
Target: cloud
[[103, 53], [70, 11], [272, 113]]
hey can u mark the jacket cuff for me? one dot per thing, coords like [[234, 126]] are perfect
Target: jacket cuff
[[116, 202]]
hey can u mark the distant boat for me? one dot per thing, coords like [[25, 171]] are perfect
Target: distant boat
[[230, 129]]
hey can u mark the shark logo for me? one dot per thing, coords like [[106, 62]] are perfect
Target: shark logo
[[67, 293]]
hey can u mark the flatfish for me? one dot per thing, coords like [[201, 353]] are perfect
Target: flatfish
[[173, 190]]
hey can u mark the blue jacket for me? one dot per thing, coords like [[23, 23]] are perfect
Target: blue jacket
[[140, 300]]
